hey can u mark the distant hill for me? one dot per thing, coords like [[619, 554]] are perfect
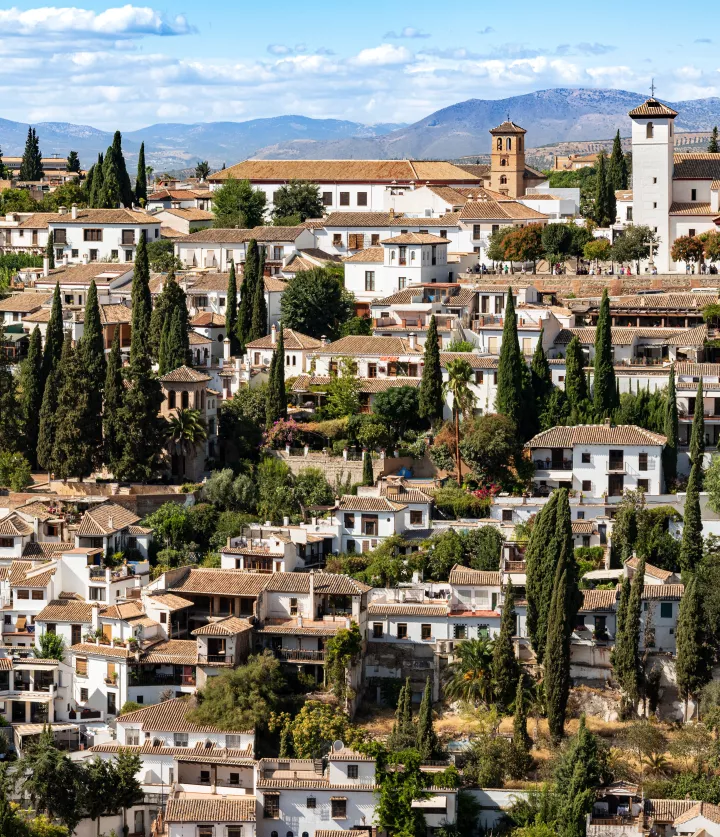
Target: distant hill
[[561, 115]]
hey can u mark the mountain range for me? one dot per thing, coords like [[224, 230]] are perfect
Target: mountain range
[[550, 116]]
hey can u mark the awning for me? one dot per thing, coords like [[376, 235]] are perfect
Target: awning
[[20, 624], [338, 798], [433, 802], [36, 729]]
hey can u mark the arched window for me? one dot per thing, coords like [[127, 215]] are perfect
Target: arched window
[[649, 130], [503, 162], [499, 144], [171, 399], [273, 834], [508, 144], [220, 338], [305, 834], [184, 399], [290, 834], [503, 180]]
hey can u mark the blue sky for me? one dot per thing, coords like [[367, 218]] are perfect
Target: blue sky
[[110, 65]]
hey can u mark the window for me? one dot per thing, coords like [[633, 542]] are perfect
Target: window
[[234, 779], [375, 239], [352, 771], [693, 197], [349, 521], [369, 524], [666, 610], [503, 180], [338, 809], [586, 485], [234, 830], [426, 632], [377, 630], [508, 144], [586, 459], [507, 515], [654, 204], [93, 255], [629, 213], [476, 231], [649, 131], [171, 399], [75, 634], [233, 742], [83, 695], [402, 282], [271, 806], [337, 239], [180, 739], [580, 515], [350, 545], [369, 280], [128, 237], [293, 607], [204, 777], [362, 199], [60, 236], [344, 198], [643, 485], [112, 703], [81, 666], [416, 518], [132, 736], [22, 594], [205, 831], [92, 235], [402, 631], [327, 198], [38, 595], [643, 461], [311, 802], [97, 594]]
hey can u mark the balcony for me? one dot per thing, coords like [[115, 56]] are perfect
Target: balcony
[[297, 655], [553, 465], [152, 678], [215, 659], [98, 573], [616, 466]]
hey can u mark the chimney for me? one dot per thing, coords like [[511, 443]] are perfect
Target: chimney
[[312, 594], [86, 258], [226, 348], [95, 620], [392, 212], [110, 522], [62, 210], [73, 212], [65, 260], [286, 521], [412, 338], [273, 334], [607, 422], [46, 266]]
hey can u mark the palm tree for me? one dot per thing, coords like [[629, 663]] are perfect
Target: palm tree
[[185, 433], [470, 677], [202, 169], [459, 376], [656, 764]]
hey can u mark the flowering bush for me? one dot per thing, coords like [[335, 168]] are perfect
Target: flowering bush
[[486, 492], [283, 432]]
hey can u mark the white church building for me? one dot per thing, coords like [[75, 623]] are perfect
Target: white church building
[[673, 194]]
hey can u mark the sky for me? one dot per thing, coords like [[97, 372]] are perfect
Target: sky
[[114, 66]]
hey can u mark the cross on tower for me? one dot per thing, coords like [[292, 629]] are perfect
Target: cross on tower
[[652, 88]]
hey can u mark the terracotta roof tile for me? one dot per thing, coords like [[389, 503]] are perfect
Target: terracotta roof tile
[[595, 434], [415, 238], [343, 171], [184, 374], [329, 583], [14, 526], [208, 318], [25, 303], [464, 575], [106, 519], [83, 648], [66, 610], [216, 236], [223, 582], [170, 716], [663, 591], [667, 810], [47, 551], [652, 107], [123, 610], [349, 502], [294, 340], [654, 572], [25, 574], [361, 345], [704, 166], [691, 208], [177, 651], [370, 255], [701, 809], [225, 627], [598, 600], [171, 601], [381, 609], [210, 809]]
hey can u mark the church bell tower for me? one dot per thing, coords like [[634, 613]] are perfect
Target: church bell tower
[[507, 159]]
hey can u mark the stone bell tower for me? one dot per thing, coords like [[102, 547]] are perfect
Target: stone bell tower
[[507, 159]]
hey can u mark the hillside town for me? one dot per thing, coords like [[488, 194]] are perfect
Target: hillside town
[[378, 496]]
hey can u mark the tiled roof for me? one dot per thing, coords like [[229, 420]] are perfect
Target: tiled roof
[[652, 107], [225, 627], [222, 582], [101, 650], [114, 314], [186, 375], [180, 194], [701, 809], [80, 274], [490, 209], [208, 282], [598, 600], [346, 754], [475, 361], [349, 502], [25, 303], [24, 574], [191, 214], [47, 551], [309, 784], [329, 583], [690, 337], [464, 575], [65, 610], [652, 571], [405, 494], [595, 434], [620, 335], [36, 509], [231, 756], [295, 340], [300, 630], [99, 216], [210, 809], [697, 370], [362, 345], [286, 234], [171, 601], [208, 318], [170, 716], [449, 219], [691, 208], [508, 127], [14, 526], [374, 255], [344, 171], [106, 519], [123, 610], [415, 238], [667, 810], [583, 527], [381, 609], [178, 651], [273, 284], [216, 236], [703, 166], [139, 530], [663, 591], [623, 195]]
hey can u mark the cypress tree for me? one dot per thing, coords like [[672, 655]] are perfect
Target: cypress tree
[[605, 397], [601, 208], [91, 351], [50, 250], [627, 658], [693, 665], [512, 391], [540, 557], [427, 741], [713, 146], [504, 667], [9, 404], [87, 184], [617, 169], [521, 739], [48, 411], [408, 727], [697, 434], [31, 166], [398, 725], [621, 616], [112, 405], [176, 339], [126, 192], [575, 382], [259, 327], [431, 397], [54, 337], [691, 544], [247, 289], [31, 395], [141, 305], [170, 327], [141, 180], [231, 312], [276, 404], [577, 777], [97, 183], [110, 196], [564, 605], [162, 312], [541, 377], [557, 410], [368, 478], [73, 446], [670, 451]]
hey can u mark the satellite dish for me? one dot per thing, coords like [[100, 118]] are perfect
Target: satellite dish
[[337, 746]]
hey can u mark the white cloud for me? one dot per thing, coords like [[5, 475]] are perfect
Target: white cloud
[[123, 21], [407, 32], [384, 55]]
